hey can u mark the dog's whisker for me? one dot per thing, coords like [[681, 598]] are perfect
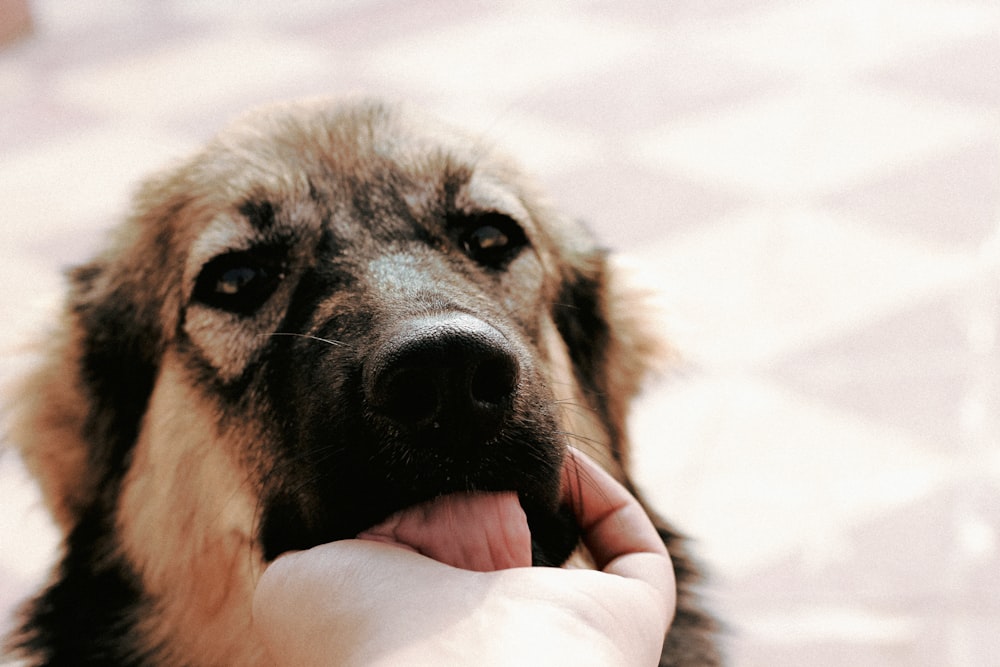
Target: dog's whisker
[[575, 407], [582, 390], [575, 490], [571, 400], [598, 445], [571, 306], [335, 343], [312, 458]]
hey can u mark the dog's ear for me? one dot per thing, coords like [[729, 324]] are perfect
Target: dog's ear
[[77, 416], [611, 335], [120, 341]]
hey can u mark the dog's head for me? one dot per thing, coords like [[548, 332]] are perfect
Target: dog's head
[[330, 313]]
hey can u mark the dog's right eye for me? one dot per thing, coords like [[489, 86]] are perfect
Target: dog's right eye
[[493, 239], [237, 282]]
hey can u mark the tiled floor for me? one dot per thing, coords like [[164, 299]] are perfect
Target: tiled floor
[[814, 185]]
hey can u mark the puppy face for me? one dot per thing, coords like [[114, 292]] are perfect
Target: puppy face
[[331, 313], [385, 322]]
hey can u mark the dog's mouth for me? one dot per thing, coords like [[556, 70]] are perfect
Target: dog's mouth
[[476, 530]]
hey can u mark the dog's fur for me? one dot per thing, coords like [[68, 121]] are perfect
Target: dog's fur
[[233, 377]]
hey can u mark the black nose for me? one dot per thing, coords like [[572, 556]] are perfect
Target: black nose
[[453, 374]]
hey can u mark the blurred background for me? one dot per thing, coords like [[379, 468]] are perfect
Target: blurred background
[[812, 185]]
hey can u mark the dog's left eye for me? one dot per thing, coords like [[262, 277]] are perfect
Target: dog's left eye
[[493, 239], [237, 282]]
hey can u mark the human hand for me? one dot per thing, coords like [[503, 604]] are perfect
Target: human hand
[[365, 602]]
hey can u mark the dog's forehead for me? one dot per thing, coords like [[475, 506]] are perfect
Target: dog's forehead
[[290, 171]]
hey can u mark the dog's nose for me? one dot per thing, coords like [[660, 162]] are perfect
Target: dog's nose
[[451, 372]]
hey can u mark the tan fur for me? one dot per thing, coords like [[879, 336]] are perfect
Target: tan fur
[[186, 518], [47, 424]]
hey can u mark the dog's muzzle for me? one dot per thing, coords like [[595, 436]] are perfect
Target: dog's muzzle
[[446, 379], [447, 403]]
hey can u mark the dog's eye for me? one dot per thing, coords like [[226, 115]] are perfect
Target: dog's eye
[[238, 282], [493, 239]]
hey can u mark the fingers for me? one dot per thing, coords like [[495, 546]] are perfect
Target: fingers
[[616, 529], [623, 541]]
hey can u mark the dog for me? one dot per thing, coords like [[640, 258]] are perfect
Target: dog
[[334, 311]]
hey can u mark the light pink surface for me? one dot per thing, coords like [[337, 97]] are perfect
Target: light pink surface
[[813, 185]]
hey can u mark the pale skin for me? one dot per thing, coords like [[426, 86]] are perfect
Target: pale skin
[[380, 601]]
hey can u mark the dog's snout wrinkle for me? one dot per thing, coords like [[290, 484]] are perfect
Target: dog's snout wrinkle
[[452, 372]]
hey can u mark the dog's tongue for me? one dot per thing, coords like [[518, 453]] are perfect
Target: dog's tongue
[[473, 531]]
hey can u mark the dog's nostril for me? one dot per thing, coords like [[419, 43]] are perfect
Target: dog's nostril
[[493, 382], [411, 396]]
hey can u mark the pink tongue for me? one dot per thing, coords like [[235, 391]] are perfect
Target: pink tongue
[[473, 531]]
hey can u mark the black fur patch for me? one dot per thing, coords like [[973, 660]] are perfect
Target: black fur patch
[[87, 615], [118, 369], [259, 213]]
